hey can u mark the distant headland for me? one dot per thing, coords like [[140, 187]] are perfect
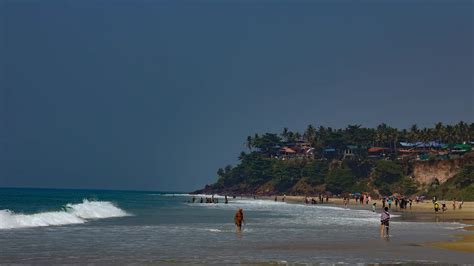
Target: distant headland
[[380, 161]]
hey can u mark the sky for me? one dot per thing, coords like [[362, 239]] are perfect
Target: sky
[[157, 95]]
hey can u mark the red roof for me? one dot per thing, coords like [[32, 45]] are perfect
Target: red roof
[[377, 149], [287, 150]]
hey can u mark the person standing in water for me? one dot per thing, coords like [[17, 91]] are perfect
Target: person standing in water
[[384, 223], [239, 219]]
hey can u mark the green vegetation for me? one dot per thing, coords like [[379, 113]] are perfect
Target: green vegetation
[[340, 180], [460, 187], [390, 178], [256, 170], [381, 136], [267, 168]]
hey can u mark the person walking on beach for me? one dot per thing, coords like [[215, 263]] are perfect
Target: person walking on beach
[[436, 207], [444, 208], [239, 219], [384, 223], [389, 201]]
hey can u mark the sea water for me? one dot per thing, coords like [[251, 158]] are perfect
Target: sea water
[[91, 226]]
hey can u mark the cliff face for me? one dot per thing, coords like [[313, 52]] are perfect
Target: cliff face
[[313, 177], [426, 172]]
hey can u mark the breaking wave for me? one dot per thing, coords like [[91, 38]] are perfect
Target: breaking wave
[[71, 214]]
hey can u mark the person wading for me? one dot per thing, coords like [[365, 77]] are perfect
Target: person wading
[[384, 222], [239, 219]]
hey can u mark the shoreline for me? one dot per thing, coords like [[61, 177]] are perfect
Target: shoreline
[[419, 212]]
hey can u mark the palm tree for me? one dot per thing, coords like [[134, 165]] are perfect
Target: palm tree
[[381, 134], [228, 168], [403, 135], [310, 134], [414, 134], [440, 131], [462, 131], [450, 138], [220, 172], [249, 143], [297, 136], [392, 137], [284, 134], [426, 134], [353, 135], [290, 137], [471, 132]]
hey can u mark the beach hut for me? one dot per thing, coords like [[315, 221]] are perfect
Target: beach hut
[[330, 153], [286, 152], [461, 148], [350, 152], [377, 152]]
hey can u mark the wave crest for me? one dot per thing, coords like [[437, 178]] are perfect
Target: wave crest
[[72, 214]]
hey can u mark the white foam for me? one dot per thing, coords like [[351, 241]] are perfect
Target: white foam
[[95, 210], [171, 195], [73, 214], [213, 230]]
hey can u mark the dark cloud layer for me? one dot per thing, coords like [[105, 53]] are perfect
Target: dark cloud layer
[[159, 94]]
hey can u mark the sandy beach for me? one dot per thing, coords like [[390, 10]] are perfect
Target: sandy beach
[[421, 212]]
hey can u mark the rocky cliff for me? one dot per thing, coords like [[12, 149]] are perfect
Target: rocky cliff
[[267, 176], [426, 172]]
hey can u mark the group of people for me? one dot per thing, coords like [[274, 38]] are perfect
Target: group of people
[[400, 202], [384, 221], [211, 199], [359, 199], [443, 206], [282, 199], [308, 200], [363, 198]]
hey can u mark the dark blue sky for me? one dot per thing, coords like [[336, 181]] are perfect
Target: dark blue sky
[[159, 94]]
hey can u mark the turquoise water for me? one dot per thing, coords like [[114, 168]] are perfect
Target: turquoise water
[[79, 226]]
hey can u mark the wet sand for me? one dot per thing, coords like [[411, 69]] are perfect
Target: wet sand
[[421, 212]]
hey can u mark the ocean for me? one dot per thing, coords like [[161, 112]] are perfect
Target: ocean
[[93, 226]]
